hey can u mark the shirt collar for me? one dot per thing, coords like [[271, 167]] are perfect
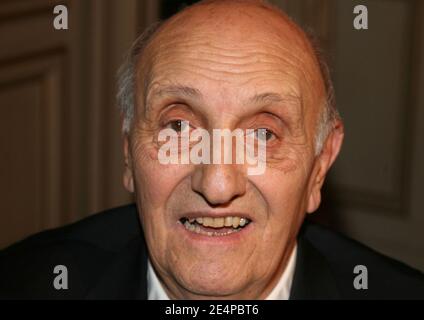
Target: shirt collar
[[281, 291], [155, 290]]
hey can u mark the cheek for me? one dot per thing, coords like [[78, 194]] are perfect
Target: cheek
[[284, 194], [284, 180], [154, 186], [155, 182]]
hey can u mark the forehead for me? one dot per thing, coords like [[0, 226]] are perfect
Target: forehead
[[230, 57]]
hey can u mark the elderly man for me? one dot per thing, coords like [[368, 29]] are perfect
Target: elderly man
[[209, 229]]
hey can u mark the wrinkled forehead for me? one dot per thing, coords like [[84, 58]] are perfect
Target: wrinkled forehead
[[232, 20], [233, 50]]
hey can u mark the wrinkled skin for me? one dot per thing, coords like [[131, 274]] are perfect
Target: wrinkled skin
[[204, 66]]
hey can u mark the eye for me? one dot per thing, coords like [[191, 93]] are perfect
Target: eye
[[264, 134], [178, 125]]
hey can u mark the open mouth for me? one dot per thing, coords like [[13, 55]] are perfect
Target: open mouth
[[215, 226]]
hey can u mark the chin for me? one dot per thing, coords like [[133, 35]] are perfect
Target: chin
[[214, 289], [213, 281]]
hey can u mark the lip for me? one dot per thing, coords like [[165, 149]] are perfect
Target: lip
[[215, 214], [231, 239]]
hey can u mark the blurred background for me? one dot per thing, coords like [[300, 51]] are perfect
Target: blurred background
[[60, 143]]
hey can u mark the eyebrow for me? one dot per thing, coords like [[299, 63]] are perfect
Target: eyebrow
[[177, 90], [272, 97], [195, 94]]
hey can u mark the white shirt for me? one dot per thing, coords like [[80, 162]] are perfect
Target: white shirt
[[281, 291]]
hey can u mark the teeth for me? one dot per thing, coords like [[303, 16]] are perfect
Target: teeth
[[189, 226], [199, 220], [234, 222], [228, 221], [208, 222], [197, 229], [218, 222]]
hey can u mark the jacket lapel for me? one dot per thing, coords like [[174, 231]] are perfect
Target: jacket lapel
[[313, 278]]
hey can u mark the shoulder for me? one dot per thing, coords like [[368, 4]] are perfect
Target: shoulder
[[85, 247], [347, 258]]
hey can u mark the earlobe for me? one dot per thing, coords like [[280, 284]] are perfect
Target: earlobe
[[128, 180], [324, 162], [314, 200]]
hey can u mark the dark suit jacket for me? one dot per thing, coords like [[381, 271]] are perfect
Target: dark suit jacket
[[106, 258]]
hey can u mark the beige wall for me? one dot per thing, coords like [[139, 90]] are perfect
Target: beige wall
[[59, 127], [375, 191]]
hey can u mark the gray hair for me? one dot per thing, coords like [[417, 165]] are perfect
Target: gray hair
[[126, 76], [127, 86], [329, 113]]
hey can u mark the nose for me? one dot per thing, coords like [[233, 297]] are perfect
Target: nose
[[219, 183]]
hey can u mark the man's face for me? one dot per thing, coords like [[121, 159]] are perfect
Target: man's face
[[227, 73]]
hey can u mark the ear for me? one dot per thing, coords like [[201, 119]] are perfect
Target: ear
[[128, 178], [323, 163]]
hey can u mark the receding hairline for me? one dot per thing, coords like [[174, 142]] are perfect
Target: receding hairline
[[182, 17], [143, 58]]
